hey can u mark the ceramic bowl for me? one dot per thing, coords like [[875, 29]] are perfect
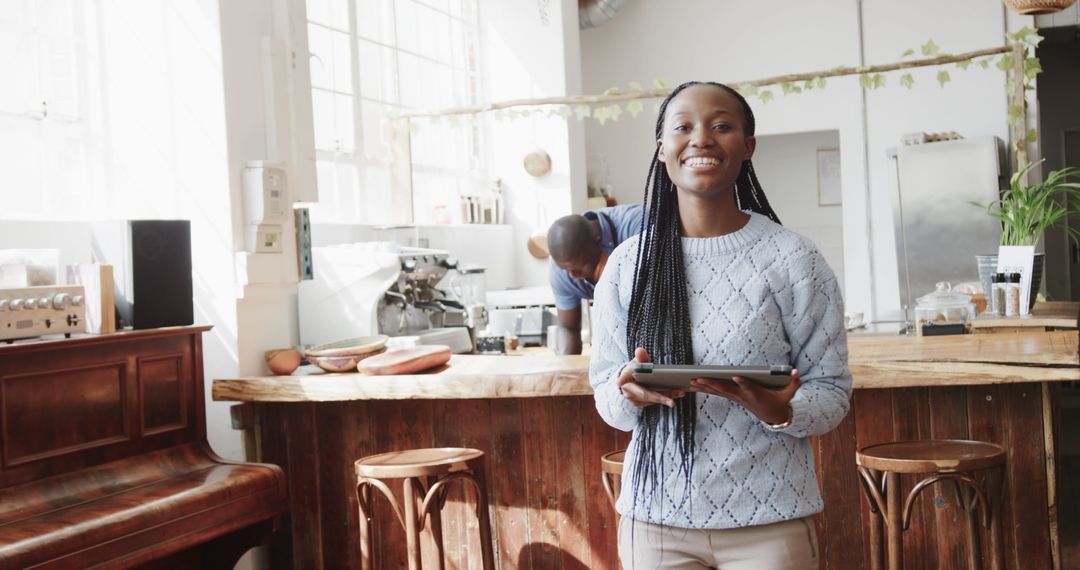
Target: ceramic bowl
[[342, 356], [282, 361], [345, 363]]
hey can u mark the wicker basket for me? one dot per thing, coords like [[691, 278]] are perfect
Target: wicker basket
[[1036, 7]]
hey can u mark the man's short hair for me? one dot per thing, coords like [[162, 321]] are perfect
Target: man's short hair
[[568, 235]]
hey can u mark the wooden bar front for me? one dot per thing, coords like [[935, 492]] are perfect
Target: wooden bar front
[[544, 439]]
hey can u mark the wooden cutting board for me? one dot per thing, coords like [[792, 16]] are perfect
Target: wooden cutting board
[[406, 360]]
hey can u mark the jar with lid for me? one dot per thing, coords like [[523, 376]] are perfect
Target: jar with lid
[[1012, 295], [997, 296], [943, 312]]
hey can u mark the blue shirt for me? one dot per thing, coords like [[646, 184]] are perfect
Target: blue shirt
[[616, 224]]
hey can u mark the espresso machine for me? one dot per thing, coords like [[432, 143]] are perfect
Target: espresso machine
[[414, 303], [380, 288]]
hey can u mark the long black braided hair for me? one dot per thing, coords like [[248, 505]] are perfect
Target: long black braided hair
[[659, 314]]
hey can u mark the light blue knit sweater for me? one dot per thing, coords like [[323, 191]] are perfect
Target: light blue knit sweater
[[760, 295]]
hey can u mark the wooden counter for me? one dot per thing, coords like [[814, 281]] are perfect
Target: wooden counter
[[534, 417], [876, 362]]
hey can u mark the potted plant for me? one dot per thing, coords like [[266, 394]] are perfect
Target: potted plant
[[1026, 211]]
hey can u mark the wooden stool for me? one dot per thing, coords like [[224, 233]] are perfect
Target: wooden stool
[[420, 468], [611, 471], [880, 467]]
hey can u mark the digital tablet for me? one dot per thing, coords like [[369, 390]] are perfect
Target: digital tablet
[[678, 376]]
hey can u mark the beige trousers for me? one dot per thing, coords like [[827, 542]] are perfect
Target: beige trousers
[[788, 545]]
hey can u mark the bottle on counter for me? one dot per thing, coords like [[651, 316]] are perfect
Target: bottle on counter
[[997, 294], [1012, 296]]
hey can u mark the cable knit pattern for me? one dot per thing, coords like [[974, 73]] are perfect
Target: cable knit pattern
[[760, 295]]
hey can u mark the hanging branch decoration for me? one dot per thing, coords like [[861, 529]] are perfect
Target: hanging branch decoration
[[1016, 59]]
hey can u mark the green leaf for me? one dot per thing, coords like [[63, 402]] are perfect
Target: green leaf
[[820, 82], [1015, 112], [984, 63], [634, 107], [963, 64], [943, 77], [614, 112], [786, 87], [864, 81], [1032, 67], [601, 114], [808, 84], [907, 80], [1005, 62], [635, 86], [747, 89], [611, 91], [879, 81], [930, 48], [659, 83], [766, 96], [582, 111], [908, 53], [1032, 136]]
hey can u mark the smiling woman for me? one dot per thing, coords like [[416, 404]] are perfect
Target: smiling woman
[[714, 279]]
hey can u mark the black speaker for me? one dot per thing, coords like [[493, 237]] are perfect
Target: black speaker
[[151, 262]]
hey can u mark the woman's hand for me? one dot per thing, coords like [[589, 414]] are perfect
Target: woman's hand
[[639, 395], [771, 406]]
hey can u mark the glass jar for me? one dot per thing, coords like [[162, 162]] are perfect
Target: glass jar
[[468, 285], [943, 312]]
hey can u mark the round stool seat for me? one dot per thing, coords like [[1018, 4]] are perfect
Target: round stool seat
[[931, 456], [612, 462], [416, 462]]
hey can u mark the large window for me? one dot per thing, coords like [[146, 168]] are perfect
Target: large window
[[45, 150], [371, 59]]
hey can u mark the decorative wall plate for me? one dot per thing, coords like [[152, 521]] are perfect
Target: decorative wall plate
[[537, 163]]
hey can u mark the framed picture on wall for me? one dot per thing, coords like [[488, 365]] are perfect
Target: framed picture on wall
[[828, 176]]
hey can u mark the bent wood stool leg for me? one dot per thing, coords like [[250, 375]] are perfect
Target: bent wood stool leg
[[966, 498], [364, 498], [425, 474], [872, 483], [436, 520], [412, 526], [367, 545], [966, 464], [435, 498], [894, 521], [487, 553], [611, 466]]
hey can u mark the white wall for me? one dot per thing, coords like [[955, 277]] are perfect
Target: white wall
[[530, 49], [490, 245], [731, 41], [787, 169]]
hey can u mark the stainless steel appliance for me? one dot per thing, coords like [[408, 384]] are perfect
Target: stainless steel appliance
[[525, 313], [369, 288], [413, 303], [938, 229], [34, 311]]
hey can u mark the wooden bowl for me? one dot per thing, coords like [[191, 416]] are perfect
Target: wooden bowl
[[343, 363], [282, 361], [342, 356]]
